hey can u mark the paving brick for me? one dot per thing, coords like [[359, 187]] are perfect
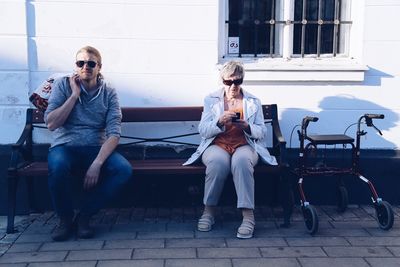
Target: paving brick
[[5, 246], [33, 257], [124, 216], [72, 245], [114, 235], [139, 227], [343, 232], [280, 232], [374, 241], [25, 247], [317, 241], [10, 238], [379, 232], [134, 243], [228, 252], [104, 254], [131, 263], [169, 234], [215, 233], [354, 224], [39, 229], [256, 242], [272, 262], [198, 263], [332, 212], [395, 251], [333, 262], [64, 264], [281, 252], [357, 252], [165, 253], [191, 226], [387, 262], [34, 238], [196, 243], [362, 214]]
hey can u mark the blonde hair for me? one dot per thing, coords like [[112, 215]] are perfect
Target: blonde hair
[[232, 68]]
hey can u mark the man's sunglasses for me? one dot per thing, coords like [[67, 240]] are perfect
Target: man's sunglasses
[[91, 64], [235, 82]]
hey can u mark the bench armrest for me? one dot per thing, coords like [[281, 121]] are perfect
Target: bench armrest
[[19, 148], [279, 143], [24, 136]]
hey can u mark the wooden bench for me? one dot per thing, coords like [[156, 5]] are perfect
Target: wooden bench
[[24, 164]]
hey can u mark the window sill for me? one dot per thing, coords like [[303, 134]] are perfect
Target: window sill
[[302, 69]]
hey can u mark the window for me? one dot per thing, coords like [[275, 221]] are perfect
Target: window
[[287, 28]]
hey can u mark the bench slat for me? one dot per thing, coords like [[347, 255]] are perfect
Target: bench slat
[[145, 167], [159, 114]]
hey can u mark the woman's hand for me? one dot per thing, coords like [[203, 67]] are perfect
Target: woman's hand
[[226, 118]]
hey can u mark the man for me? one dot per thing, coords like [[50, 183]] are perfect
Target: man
[[85, 117]]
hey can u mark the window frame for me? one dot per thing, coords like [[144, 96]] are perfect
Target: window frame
[[345, 66]]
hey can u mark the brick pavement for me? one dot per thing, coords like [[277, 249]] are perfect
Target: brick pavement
[[167, 238]]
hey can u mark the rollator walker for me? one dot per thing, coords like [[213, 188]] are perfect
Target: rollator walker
[[310, 144]]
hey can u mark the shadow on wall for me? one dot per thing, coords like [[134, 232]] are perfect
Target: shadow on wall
[[338, 115]]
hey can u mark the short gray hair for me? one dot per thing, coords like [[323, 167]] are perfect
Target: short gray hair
[[232, 68]]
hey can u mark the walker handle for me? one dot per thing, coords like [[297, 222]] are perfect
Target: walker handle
[[310, 118], [374, 116], [370, 117], [306, 121]]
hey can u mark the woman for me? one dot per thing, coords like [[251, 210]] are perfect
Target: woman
[[231, 144]]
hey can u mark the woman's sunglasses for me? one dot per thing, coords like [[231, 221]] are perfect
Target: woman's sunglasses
[[91, 64], [235, 82]]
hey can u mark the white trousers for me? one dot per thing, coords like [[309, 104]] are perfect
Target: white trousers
[[219, 164]]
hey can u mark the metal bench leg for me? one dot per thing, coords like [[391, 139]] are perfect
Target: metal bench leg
[[287, 198], [31, 195], [12, 195]]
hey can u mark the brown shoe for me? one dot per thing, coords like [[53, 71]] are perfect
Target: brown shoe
[[63, 230], [84, 230]]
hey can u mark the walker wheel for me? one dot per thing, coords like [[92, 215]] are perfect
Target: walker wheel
[[343, 198], [310, 219], [384, 215]]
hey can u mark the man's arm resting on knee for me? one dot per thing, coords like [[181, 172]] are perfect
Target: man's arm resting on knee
[[93, 173]]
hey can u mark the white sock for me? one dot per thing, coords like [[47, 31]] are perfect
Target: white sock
[[248, 214]]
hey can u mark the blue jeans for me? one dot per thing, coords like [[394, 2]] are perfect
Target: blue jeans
[[64, 160]]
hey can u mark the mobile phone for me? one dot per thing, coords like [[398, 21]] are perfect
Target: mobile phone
[[237, 117]]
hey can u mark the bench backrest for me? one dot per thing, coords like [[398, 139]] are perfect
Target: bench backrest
[[161, 114], [158, 114]]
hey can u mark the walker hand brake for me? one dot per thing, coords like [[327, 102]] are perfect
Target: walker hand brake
[[370, 117]]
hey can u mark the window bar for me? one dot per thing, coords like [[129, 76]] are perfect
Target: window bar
[[320, 21], [303, 27], [336, 28], [253, 7], [240, 25], [272, 30]]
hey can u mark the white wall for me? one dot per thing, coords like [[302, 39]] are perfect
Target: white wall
[[165, 53]]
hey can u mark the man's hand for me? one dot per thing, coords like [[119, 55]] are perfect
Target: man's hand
[[75, 85], [92, 176]]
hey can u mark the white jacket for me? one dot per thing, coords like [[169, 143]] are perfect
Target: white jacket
[[253, 115]]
